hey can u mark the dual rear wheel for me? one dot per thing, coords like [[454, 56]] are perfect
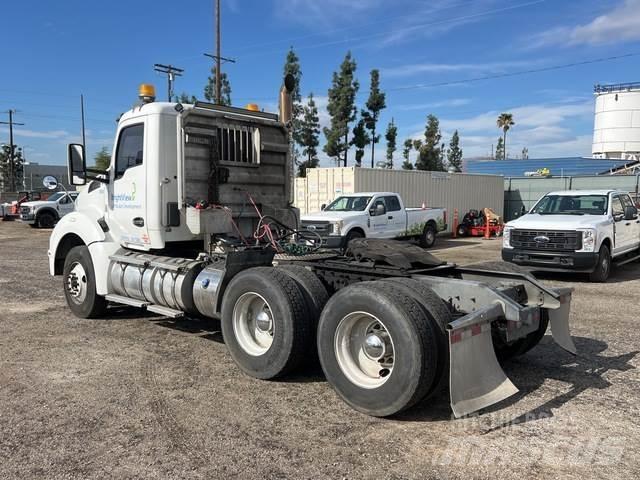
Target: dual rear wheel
[[381, 344]]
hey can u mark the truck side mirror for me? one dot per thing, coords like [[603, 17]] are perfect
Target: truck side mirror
[[379, 209], [76, 164], [323, 206], [630, 213]]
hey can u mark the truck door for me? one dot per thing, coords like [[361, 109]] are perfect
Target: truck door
[[621, 227], [379, 222], [396, 216], [65, 205], [633, 225], [127, 204]]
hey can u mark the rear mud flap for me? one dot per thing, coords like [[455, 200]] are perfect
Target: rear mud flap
[[559, 320], [476, 379]]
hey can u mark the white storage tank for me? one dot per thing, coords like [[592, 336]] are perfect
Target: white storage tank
[[616, 132]]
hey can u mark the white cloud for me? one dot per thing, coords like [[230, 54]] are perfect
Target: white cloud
[[322, 13], [450, 103], [622, 24], [485, 67], [22, 132]]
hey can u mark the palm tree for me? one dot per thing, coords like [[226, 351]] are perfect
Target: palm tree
[[505, 122]]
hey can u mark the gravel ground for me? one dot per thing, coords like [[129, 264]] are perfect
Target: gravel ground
[[136, 396]]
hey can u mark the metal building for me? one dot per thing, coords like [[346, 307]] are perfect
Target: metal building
[[616, 131], [433, 189]]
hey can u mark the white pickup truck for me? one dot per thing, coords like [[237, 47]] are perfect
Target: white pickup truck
[[45, 213], [374, 215], [578, 230]]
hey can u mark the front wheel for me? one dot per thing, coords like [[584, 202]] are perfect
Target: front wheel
[[603, 267], [80, 284], [45, 220]]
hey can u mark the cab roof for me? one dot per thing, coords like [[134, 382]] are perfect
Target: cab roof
[[585, 192]]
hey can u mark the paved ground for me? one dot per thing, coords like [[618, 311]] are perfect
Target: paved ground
[[142, 397]]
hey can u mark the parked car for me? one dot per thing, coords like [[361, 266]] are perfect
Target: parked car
[[374, 215], [576, 230], [45, 213]]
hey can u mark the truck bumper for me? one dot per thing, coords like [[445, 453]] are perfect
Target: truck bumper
[[333, 241], [552, 261], [28, 217]]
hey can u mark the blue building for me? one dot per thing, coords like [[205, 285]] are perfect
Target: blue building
[[558, 167]]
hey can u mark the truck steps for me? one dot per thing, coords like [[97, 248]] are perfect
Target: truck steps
[[626, 260], [165, 311]]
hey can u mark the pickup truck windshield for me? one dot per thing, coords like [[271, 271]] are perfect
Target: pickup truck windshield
[[348, 204], [572, 205]]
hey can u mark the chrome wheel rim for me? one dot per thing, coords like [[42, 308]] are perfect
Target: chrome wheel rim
[[253, 324], [76, 283], [364, 350]]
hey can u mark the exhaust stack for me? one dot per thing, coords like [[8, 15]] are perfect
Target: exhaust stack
[[286, 102]]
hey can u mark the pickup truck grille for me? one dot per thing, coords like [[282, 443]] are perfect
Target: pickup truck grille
[[321, 228], [558, 240], [25, 210]]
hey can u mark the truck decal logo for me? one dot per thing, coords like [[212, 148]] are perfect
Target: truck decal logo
[[541, 239]]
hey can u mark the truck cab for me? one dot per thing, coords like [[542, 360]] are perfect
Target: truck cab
[[575, 230]]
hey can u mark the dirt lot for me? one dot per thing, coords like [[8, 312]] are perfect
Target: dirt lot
[[139, 396]]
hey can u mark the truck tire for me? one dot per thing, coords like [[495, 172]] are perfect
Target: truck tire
[[603, 267], [353, 234], [439, 315], [462, 231], [45, 220], [315, 293], [80, 284], [265, 322], [377, 348], [429, 234], [505, 351]]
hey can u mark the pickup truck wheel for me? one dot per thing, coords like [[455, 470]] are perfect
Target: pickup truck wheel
[[439, 315], [45, 220], [377, 348], [353, 234], [428, 237], [80, 284], [265, 322], [603, 267], [462, 231]]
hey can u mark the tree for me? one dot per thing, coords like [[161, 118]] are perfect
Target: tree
[[102, 159], [185, 98], [375, 104], [429, 151], [505, 122], [454, 154], [391, 136], [499, 149], [292, 66], [225, 90], [360, 140], [525, 153], [406, 151], [309, 133], [341, 108], [7, 166]]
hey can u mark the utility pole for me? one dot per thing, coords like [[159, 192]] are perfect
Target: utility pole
[[12, 176], [171, 72], [218, 57]]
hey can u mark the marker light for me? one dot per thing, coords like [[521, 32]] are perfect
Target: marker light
[[147, 92], [252, 107]]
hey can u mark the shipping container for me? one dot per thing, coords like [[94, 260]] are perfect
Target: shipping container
[[433, 189]]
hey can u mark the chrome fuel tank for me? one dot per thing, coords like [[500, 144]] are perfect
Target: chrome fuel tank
[[165, 281]]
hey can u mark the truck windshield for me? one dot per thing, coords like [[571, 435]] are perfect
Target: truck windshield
[[572, 205], [348, 204]]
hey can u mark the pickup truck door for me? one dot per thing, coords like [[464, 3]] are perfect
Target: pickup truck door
[[65, 205], [396, 216], [622, 228], [633, 226], [378, 224]]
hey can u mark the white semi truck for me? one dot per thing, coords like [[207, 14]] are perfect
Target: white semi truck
[[188, 219]]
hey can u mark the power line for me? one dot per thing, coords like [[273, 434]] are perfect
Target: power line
[[513, 74], [171, 72]]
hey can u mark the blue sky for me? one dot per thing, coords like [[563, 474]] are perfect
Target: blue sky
[[57, 50]]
